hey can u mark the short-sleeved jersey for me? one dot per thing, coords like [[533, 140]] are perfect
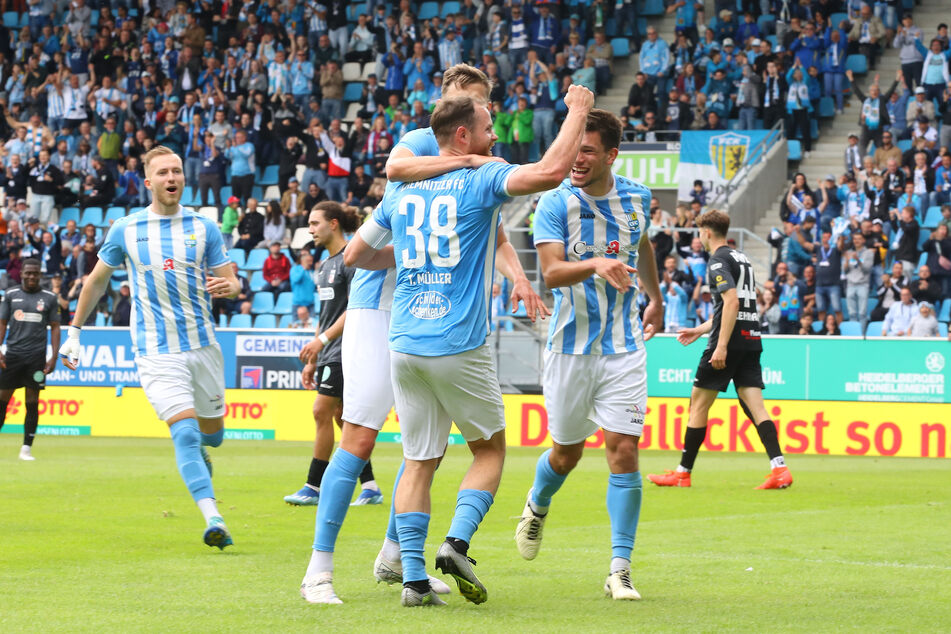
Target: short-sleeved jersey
[[333, 280], [28, 315], [728, 268], [374, 289], [591, 317], [444, 233], [168, 258]]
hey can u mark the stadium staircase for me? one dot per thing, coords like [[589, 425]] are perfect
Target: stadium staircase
[[828, 154]]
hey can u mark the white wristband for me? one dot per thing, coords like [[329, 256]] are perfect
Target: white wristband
[[323, 338], [73, 332]]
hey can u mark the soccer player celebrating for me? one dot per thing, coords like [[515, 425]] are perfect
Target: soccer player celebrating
[[177, 263], [368, 389], [732, 354], [24, 363], [327, 224], [444, 232], [591, 233]]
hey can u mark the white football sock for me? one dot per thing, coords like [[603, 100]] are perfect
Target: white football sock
[[370, 484], [391, 550], [619, 563], [208, 508], [320, 561]]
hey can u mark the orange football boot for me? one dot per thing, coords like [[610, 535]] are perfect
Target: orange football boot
[[779, 478], [671, 479]]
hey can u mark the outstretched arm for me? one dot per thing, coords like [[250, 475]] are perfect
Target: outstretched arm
[[555, 164], [403, 166]]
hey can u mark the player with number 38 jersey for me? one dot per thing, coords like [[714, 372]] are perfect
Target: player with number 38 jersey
[[444, 248]]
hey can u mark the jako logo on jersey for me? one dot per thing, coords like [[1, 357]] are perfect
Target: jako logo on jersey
[[251, 377], [429, 305], [604, 248], [191, 241], [168, 264]]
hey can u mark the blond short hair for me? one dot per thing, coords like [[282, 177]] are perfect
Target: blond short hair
[[158, 150]]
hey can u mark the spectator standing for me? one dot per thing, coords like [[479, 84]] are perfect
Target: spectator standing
[[906, 40], [654, 61], [904, 242], [791, 294], [250, 227], [828, 276], [302, 282], [934, 74], [938, 248], [874, 116], [229, 221], [867, 35], [857, 264], [832, 65], [522, 132], [241, 154], [45, 180]]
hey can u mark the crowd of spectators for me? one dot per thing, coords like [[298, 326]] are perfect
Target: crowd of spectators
[[867, 246], [274, 105]]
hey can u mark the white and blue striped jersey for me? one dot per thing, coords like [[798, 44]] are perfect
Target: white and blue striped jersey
[[168, 257], [591, 317], [444, 232], [374, 289]]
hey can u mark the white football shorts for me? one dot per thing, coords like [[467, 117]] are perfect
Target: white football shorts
[[433, 392], [177, 381], [365, 359], [587, 391]]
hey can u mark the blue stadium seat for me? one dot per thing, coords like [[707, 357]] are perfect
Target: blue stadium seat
[[872, 303], [521, 312], [240, 321], [932, 217], [449, 7], [858, 64], [652, 7], [428, 11], [287, 320], [795, 150], [836, 18], [113, 214], [922, 237], [942, 329], [817, 327], [316, 310], [814, 129], [284, 304], [945, 313], [874, 329], [922, 259], [353, 91], [733, 124], [67, 214], [766, 24], [262, 303], [851, 329], [772, 40], [621, 47], [101, 320], [904, 145], [11, 19], [257, 282], [610, 28], [255, 260], [642, 26], [237, 256], [268, 176], [226, 193], [25, 20], [91, 216], [265, 321], [257, 192], [826, 108], [222, 320]]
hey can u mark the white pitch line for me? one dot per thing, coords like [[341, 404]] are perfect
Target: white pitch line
[[758, 559]]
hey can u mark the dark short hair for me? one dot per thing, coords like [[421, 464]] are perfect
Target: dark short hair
[[716, 221], [32, 262], [607, 125], [450, 114]]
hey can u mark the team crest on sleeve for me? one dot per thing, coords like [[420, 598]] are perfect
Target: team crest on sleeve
[[191, 241]]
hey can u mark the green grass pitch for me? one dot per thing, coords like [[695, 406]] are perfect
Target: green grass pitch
[[100, 535]]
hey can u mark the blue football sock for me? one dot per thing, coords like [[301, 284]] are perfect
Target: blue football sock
[[336, 489], [187, 441], [624, 509], [412, 529], [213, 440], [471, 507], [391, 533], [547, 482]]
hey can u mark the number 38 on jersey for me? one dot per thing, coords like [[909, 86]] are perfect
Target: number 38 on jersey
[[430, 231]]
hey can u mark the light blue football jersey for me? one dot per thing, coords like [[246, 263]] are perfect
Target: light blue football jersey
[[591, 317], [168, 259], [374, 289], [444, 233]]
